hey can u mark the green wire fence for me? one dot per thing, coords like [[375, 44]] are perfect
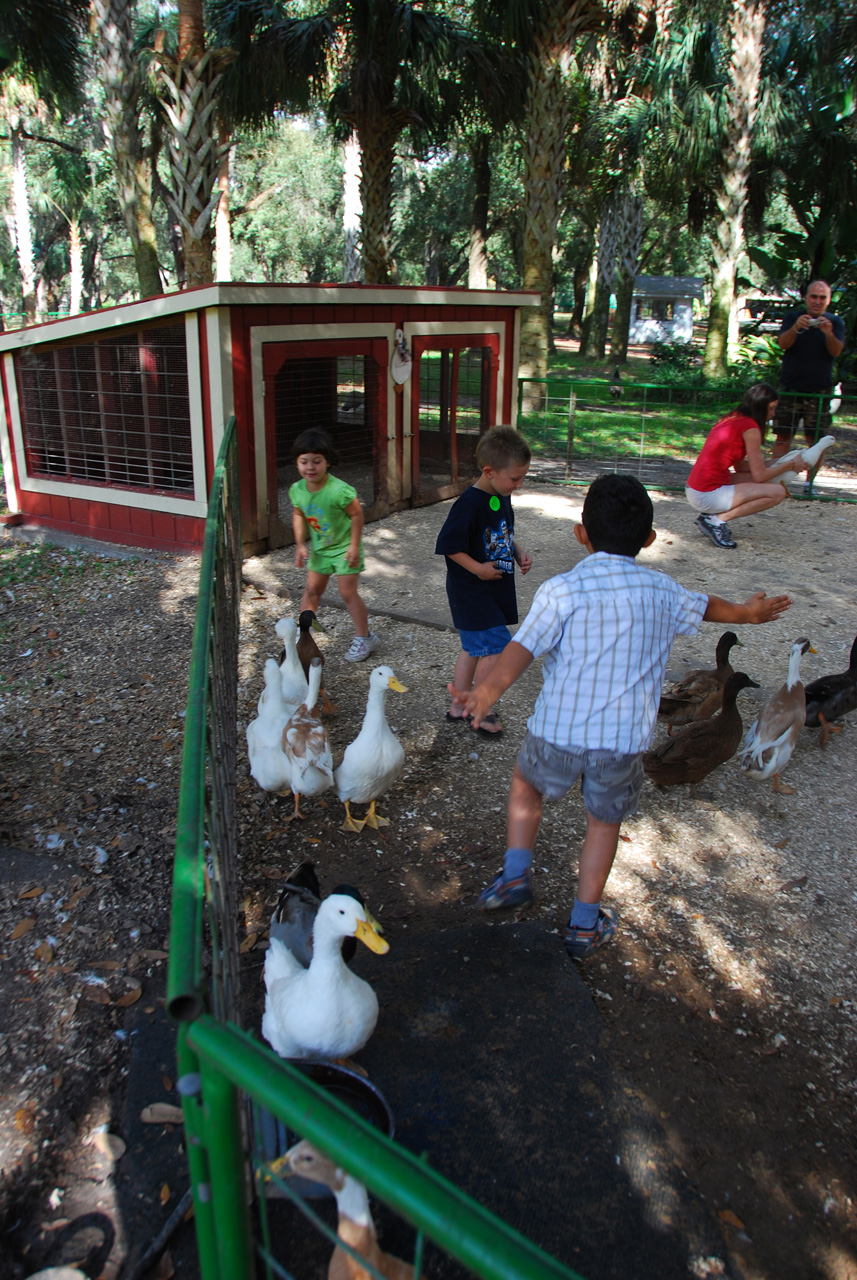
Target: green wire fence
[[580, 427], [223, 1070]]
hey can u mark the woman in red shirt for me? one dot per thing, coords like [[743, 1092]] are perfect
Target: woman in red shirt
[[730, 478]]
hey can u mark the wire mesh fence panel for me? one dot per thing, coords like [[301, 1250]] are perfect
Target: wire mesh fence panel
[[113, 412], [454, 387], [583, 428], [337, 394]]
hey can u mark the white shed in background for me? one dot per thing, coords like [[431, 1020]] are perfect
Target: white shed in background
[[662, 308]]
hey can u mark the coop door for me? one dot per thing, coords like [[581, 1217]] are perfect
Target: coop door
[[454, 403], [336, 387]]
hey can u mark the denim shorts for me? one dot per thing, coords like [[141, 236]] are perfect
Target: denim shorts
[[611, 783], [483, 644]]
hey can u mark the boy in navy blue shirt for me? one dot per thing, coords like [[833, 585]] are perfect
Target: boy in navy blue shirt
[[478, 540]]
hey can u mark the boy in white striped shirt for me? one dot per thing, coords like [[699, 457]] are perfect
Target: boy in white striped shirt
[[605, 630]]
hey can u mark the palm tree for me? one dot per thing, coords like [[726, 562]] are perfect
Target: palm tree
[[544, 33], [379, 67], [122, 77], [746, 32], [41, 61]]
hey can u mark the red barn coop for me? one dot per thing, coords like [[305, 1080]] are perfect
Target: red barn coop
[[113, 418]]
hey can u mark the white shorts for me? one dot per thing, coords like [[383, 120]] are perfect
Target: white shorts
[[715, 501]]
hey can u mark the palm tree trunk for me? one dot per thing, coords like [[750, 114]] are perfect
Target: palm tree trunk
[[191, 84], [352, 210], [222, 224], [377, 153], [75, 250], [630, 242], [747, 26], [477, 273], [596, 337], [558, 24], [23, 226], [120, 75]]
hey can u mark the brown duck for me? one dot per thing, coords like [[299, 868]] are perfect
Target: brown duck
[[699, 694], [691, 755], [308, 649]]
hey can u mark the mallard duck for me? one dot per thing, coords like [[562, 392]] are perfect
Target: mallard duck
[[306, 744], [297, 907], [691, 755], [354, 1226], [307, 649], [771, 740], [699, 693], [294, 682], [269, 764], [324, 1010], [374, 760], [830, 697]]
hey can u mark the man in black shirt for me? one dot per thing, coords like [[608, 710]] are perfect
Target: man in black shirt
[[811, 339]]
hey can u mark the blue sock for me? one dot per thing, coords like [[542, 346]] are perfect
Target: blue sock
[[516, 862], [584, 914]]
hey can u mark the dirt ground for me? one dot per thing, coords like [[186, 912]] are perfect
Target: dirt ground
[[729, 997]]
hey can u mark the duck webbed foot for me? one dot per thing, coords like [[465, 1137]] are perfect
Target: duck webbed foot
[[826, 730], [297, 813], [782, 788], [351, 823], [374, 820]]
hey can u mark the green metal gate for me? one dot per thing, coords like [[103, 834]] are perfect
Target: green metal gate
[[222, 1068]]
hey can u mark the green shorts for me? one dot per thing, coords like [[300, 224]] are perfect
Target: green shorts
[[330, 560]]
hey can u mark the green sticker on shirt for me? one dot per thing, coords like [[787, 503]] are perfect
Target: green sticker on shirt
[[494, 503]]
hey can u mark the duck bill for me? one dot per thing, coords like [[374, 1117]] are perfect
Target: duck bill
[[371, 939], [393, 684]]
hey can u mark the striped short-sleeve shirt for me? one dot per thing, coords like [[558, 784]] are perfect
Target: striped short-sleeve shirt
[[605, 630]]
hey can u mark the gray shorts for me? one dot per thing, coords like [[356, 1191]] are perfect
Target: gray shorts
[[611, 783]]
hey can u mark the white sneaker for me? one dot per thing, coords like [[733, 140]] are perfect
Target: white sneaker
[[361, 647], [812, 455]]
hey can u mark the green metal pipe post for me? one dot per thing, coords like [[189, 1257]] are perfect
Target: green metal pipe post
[[232, 1230], [462, 1226]]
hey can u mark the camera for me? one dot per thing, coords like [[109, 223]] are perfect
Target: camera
[[816, 320]]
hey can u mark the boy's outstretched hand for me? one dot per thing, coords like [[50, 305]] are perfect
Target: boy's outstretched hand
[[764, 608], [474, 704], [759, 608]]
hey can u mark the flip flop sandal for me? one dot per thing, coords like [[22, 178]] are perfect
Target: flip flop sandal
[[489, 733], [459, 719]]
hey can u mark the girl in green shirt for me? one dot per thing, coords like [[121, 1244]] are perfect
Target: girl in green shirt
[[328, 522]]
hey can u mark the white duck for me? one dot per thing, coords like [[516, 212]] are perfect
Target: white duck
[[326, 1010], [295, 683], [374, 760], [771, 740], [307, 746], [269, 765]]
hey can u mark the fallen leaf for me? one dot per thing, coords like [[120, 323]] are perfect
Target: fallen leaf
[[80, 895], [25, 1118], [129, 998], [58, 1081], [627, 839], [165, 1193], [109, 1144], [55, 1225], [782, 843], [165, 1269], [32, 893], [44, 951], [836, 1002], [154, 955], [162, 1113], [799, 882], [109, 965], [249, 942], [732, 1218], [22, 927], [311, 840], [95, 993], [167, 1083]]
